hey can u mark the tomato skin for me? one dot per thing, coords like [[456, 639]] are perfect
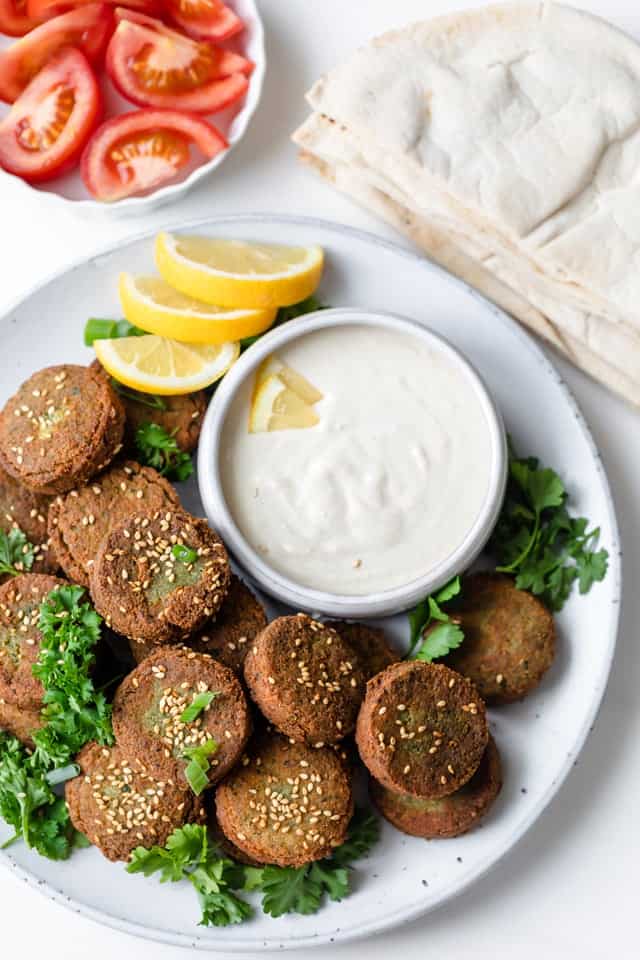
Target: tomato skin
[[215, 22], [133, 39], [107, 181], [65, 119], [49, 8], [15, 21], [88, 28]]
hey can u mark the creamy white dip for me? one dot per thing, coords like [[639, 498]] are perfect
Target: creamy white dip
[[385, 487]]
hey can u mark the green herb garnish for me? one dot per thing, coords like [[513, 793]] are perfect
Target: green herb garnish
[[199, 703], [538, 541], [16, 553], [97, 328], [302, 889], [189, 855], [184, 554], [433, 625], [29, 805], [144, 399], [73, 712], [160, 450], [198, 766]]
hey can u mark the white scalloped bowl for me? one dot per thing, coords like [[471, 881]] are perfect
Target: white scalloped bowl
[[70, 191]]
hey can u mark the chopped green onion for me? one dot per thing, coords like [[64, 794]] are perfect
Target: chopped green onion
[[184, 554], [200, 702], [62, 774], [198, 767]]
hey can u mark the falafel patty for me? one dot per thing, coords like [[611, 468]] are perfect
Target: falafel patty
[[286, 804], [26, 510], [240, 619], [63, 426], [20, 722], [509, 637], [119, 805], [370, 643], [20, 637], [181, 416], [306, 679], [80, 520], [159, 576], [149, 705], [422, 729], [449, 816]]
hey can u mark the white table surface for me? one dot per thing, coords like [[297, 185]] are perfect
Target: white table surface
[[570, 887]]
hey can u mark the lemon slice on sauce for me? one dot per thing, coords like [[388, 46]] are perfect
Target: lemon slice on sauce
[[273, 366], [275, 406]]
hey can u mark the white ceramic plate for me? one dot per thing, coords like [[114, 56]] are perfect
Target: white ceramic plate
[[69, 190], [539, 739]]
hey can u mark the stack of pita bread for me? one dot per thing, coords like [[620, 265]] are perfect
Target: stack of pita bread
[[505, 141]]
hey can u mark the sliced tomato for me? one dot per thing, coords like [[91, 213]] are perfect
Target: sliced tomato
[[154, 66], [15, 20], [138, 151], [204, 19], [42, 8], [47, 127], [87, 28]]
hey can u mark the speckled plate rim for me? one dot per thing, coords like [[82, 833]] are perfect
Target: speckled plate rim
[[417, 908]]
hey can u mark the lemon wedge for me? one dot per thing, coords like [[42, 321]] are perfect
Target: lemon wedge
[[153, 364], [273, 366], [276, 407], [232, 273], [150, 303]]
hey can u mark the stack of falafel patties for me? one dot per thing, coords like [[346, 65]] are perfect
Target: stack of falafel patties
[[266, 710]]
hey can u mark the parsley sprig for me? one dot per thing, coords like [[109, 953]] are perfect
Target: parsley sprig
[[302, 889], [16, 553], [159, 449], [538, 541], [190, 855], [429, 622], [73, 713]]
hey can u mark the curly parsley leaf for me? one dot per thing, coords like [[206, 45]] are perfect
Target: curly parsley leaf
[[443, 638], [538, 541], [16, 553], [73, 712], [159, 449], [189, 855], [29, 805], [439, 641], [302, 889]]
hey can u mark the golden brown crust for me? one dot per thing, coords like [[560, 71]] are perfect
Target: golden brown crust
[[119, 805], [20, 722], [370, 643], [306, 679], [22, 508], [240, 619], [422, 729], [149, 702], [286, 803], [81, 519], [509, 637], [63, 426], [144, 591], [448, 816], [20, 637]]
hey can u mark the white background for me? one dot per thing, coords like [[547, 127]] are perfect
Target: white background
[[570, 888]]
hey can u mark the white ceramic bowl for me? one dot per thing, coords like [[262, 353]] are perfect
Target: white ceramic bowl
[[271, 581], [70, 191]]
